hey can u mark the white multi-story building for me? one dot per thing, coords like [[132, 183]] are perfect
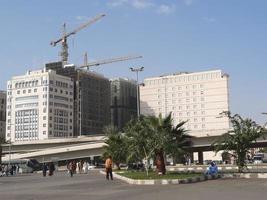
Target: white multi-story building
[[39, 106], [197, 98], [2, 114]]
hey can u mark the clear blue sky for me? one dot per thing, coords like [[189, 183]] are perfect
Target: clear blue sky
[[174, 35]]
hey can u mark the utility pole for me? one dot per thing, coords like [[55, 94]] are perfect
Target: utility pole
[[137, 70]]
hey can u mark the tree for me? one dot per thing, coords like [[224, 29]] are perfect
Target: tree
[[137, 140], [179, 142], [116, 145], [160, 129], [240, 138], [155, 137]]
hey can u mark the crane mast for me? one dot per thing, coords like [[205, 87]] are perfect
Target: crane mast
[[64, 49]]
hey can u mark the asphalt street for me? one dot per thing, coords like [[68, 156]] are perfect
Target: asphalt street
[[93, 186]]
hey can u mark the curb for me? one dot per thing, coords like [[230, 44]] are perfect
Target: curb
[[164, 181], [245, 175]]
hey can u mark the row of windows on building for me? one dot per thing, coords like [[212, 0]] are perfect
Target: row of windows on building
[[60, 134], [25, 135], [181, 107], [185, 78], [61, 84], [58, 112], [195, 87], [184, 113], [182, 100], [60, 105], [24, 84], [29, 91], [33, 83], [180, 94]]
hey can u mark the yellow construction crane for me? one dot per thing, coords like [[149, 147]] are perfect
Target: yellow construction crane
[[107, 61], [64, 51]]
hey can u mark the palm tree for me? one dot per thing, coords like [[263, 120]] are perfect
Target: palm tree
[[161, 128], [179, 142], [116, 145], [240, 138], [155, 137]]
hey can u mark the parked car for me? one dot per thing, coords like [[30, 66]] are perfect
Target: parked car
[[257, 160]]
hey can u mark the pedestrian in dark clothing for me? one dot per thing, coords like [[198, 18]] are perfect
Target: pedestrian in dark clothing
[[44, 169], [51, 169], [108, 166], [72, 168]]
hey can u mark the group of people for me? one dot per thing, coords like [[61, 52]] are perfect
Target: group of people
[[78, 167], [50, 167], [6, 170], [82, 167]]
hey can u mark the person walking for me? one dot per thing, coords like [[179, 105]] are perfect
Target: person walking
[[72, 168], [51, 169], [86, 167], [108, 166], [44, 169]]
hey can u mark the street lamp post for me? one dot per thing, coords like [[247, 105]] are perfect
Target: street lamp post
[[137, 70]]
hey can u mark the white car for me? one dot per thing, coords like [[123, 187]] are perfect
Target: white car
[[257, 160], [91, 167]]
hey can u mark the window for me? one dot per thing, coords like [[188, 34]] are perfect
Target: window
[[44, 125], [24, 91], [18, 92], [29, 90], [35, 90]]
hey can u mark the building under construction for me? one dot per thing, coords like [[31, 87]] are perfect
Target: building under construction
[[123, 101], [91, 98]]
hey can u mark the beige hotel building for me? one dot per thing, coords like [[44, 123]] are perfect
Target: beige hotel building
[[197, 97]]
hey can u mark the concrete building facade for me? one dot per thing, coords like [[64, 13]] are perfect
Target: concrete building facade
[[2, 114], [91, 99], [39, 106], [123, 101], [198, 98]]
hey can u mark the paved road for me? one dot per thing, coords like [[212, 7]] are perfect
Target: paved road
[[93, 186]]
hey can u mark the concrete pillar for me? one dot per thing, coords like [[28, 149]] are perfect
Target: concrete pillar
[[92, 160], [200, 157]]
